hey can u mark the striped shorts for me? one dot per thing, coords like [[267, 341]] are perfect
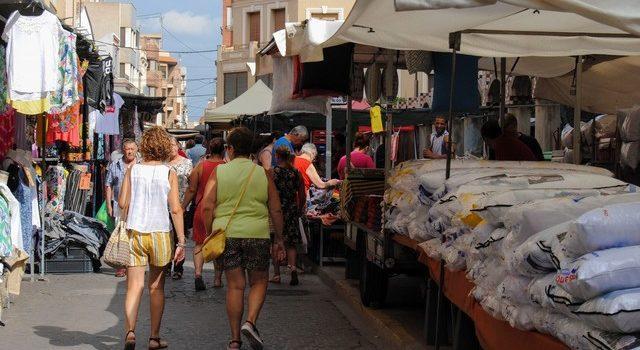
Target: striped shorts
[[150, 248]]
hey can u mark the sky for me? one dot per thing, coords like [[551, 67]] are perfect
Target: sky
[[188, 25]]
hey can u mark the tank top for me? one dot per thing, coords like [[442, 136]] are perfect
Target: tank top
[[252, 217], [149, 197], [302, 165]]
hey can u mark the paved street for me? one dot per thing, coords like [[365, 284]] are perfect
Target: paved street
[[84, 311]]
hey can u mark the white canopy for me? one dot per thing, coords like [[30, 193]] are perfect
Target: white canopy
[[529, 28], [254, 101]]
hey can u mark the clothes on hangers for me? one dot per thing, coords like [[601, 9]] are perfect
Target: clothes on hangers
[[32, 58], [14, 220], [99, 84], [282, 102], [108, 123], [7, 131], [66, 93], [56, 180]]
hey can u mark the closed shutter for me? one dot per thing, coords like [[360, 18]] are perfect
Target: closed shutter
[[235, 84], [278, 19], [254, 26]]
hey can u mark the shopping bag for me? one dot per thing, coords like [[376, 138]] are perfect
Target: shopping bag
[[104, 217], [117, 253]]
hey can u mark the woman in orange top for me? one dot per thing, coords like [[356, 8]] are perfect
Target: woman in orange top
[[304, 164]]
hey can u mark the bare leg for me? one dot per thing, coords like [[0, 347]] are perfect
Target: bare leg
[[198, 260], [292, 255], [235, 300], [218, 267], [135, 287], [257, 293], [276, 265], [156, 292]]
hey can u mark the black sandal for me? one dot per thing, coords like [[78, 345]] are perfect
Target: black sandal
[[130, 344], [234, 342], [161, 344]]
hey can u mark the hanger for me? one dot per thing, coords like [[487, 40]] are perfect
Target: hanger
[[33, 9]]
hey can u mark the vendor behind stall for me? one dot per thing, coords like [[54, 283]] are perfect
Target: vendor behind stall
[[438, 143], [359, 157], [511, 128], [505, 146], [304, 164]]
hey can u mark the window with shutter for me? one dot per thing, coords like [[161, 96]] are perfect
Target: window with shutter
[[278, 16], [235, 84], [254, 26]]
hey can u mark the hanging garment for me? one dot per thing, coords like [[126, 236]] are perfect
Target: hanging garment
[[56, 180], [5, 228], [357, 84], [331, 76], [418, 61], [15, 221], [137, 128], [20, 133], [32, 56], [7, 131], [109, 122], [99, 84], [389, 82], [75, 199], [64, 126], [282, 102], [66, 93], [4, 106], [372, 84], [466, 95], [24, 197]]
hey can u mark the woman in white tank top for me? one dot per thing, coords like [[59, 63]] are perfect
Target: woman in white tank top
[[146, 190]]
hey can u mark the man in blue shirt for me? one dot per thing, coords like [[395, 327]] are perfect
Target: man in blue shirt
[[296, 137], [198, 151]]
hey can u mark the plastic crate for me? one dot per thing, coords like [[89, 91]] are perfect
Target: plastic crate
[[69, 260]]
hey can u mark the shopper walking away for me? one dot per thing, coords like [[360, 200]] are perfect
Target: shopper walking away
[[359, 156], [116, 171], [511, 128], [147, 189], [296, 137], [242, 196], [304, 164], [197, 183], [182, 166], [198, 151], [504, 146], [292, 198]]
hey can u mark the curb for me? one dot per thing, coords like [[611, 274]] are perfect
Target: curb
[[391, 330]]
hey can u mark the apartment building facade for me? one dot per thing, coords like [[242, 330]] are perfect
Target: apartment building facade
[[248, 25], [166, 77]]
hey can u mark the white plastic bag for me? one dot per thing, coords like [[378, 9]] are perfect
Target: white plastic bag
[[601, 272], [608, 227], [534, 256], [630, 154], [514, 289], [617, 311], [631, 126], [545, 292]]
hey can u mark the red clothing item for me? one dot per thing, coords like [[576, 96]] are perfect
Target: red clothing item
[[302, 164], [358, 160], [199, 229], [182, 154], [510, 148]]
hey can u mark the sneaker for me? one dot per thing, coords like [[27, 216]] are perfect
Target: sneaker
[[250, 332], [294, 278], [200, 286]]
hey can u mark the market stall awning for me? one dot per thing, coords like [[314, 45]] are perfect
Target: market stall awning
[[490, 28], [254, 101]]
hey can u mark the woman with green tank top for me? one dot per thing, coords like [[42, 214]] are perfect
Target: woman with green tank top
[[245, 195]]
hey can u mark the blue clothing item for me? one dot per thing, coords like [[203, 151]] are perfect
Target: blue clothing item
[[23, 195], [195, 153], [283, 141]]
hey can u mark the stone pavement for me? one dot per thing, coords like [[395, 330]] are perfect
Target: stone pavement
[[85, 311]]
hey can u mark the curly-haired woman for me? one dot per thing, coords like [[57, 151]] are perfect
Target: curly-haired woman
[[147, 189]]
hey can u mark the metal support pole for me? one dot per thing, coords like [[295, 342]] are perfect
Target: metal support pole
[[43, 156], [503, 90], [329, 127], [577, 111], [348, 146], [454, 44]]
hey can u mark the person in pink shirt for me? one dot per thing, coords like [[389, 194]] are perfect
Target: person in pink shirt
[[359, 155]]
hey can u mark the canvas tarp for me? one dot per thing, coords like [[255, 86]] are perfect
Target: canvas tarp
[[254, 101], [377, 23], [606, 86]]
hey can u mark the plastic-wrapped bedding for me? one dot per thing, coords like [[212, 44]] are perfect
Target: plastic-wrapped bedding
[[601, 272], [545, 292], [617, 312], [611, 226], [612, 341], [514, 289], [534, 256]]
